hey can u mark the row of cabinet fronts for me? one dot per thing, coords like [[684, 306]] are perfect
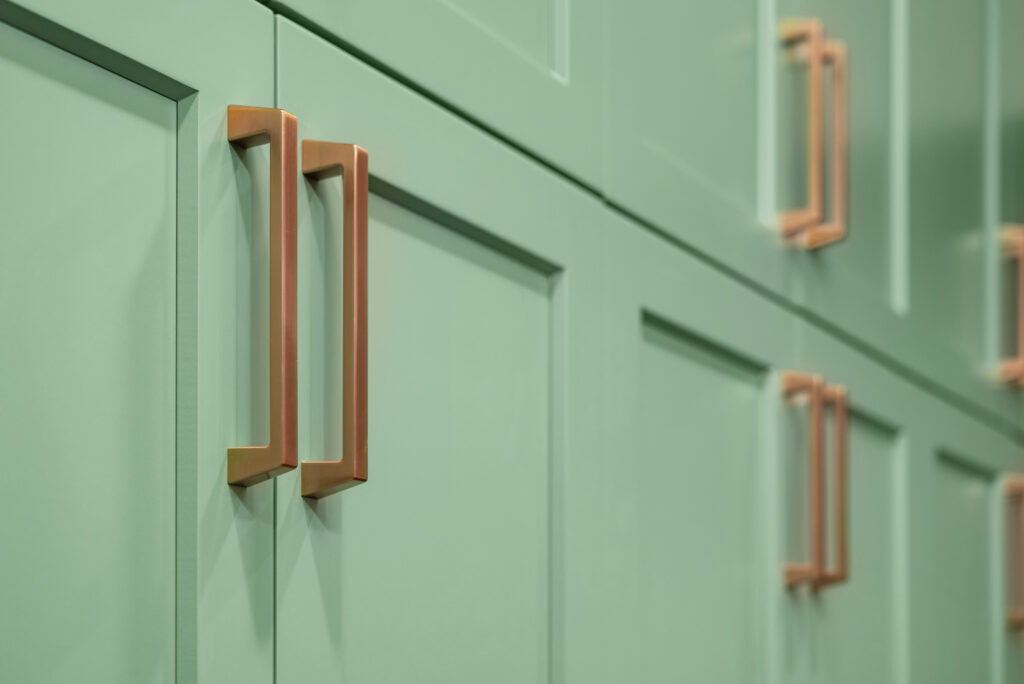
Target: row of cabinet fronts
[[693, 118], [593, 455]]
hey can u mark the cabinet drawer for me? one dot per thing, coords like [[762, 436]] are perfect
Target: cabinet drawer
[[530, 71]]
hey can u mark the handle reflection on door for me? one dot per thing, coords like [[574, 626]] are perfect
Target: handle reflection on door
[[323, 160], [249, 126]]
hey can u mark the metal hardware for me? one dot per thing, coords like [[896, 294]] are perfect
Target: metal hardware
[[793, 385], [809, 35], [837, 396], [1015, 615], [1012, 239], [817, 236], [322, 160], [249, 126], [816, 573]]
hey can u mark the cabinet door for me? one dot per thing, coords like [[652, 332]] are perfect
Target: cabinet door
[[127, 557], [853, 630], [687, 128], [694, 413], [464, 557], [88, 361], [924, 598], [958, 547], [529, 71], [917, 276]]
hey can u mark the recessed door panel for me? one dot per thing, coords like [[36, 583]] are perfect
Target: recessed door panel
[[949, 225], [87, 357], [953, 626], [438, 568], [695, 495]]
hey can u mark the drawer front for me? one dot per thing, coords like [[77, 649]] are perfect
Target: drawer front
[[529, 71]]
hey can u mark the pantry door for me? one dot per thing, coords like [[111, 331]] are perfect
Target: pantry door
[[127, 558]]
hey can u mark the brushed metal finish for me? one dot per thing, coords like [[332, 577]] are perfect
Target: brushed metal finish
[[1012, 241], [832, 231], [816, 573], [836, 395], [321, 160], [1015, 614], [794, 385], [808, 35], [249, 126]]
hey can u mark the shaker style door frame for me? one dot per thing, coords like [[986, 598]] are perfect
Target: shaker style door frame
[[204, 56]]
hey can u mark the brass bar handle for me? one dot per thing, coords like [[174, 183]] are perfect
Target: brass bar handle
[[793, 385], [809, 35], [1012, 239], [247, 127], [1015, 615], [321, 160], [817, 236], [836, 395]]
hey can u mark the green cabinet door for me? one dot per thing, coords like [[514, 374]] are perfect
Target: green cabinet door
[[128, 357], [854, 630], [693, 412], [530, 71], [957, 542], [87, 429], [917, 277], [468, 554], [688, 130]]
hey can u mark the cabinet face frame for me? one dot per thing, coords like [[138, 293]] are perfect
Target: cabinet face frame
[[223, 587]]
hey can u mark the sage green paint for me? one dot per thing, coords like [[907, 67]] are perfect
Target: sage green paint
[[926, 522], [694, 412], [87, 294], [684, 139], [530, 71], [856, 631], [581, 467], [467, 556], [204, 56]]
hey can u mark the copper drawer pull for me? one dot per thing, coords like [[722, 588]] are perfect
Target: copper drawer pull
[[249, 126], [320, 160], [835, 230], [808, 223], [836, 395], [809, 33], [1015, 615], [1012, 239], [816, 573], [793, 385]]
